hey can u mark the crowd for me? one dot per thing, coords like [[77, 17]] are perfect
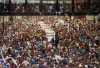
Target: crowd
[[75, 45], [36, 9]]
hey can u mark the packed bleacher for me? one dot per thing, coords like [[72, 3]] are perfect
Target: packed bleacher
[[37, 8], [23, 43]]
